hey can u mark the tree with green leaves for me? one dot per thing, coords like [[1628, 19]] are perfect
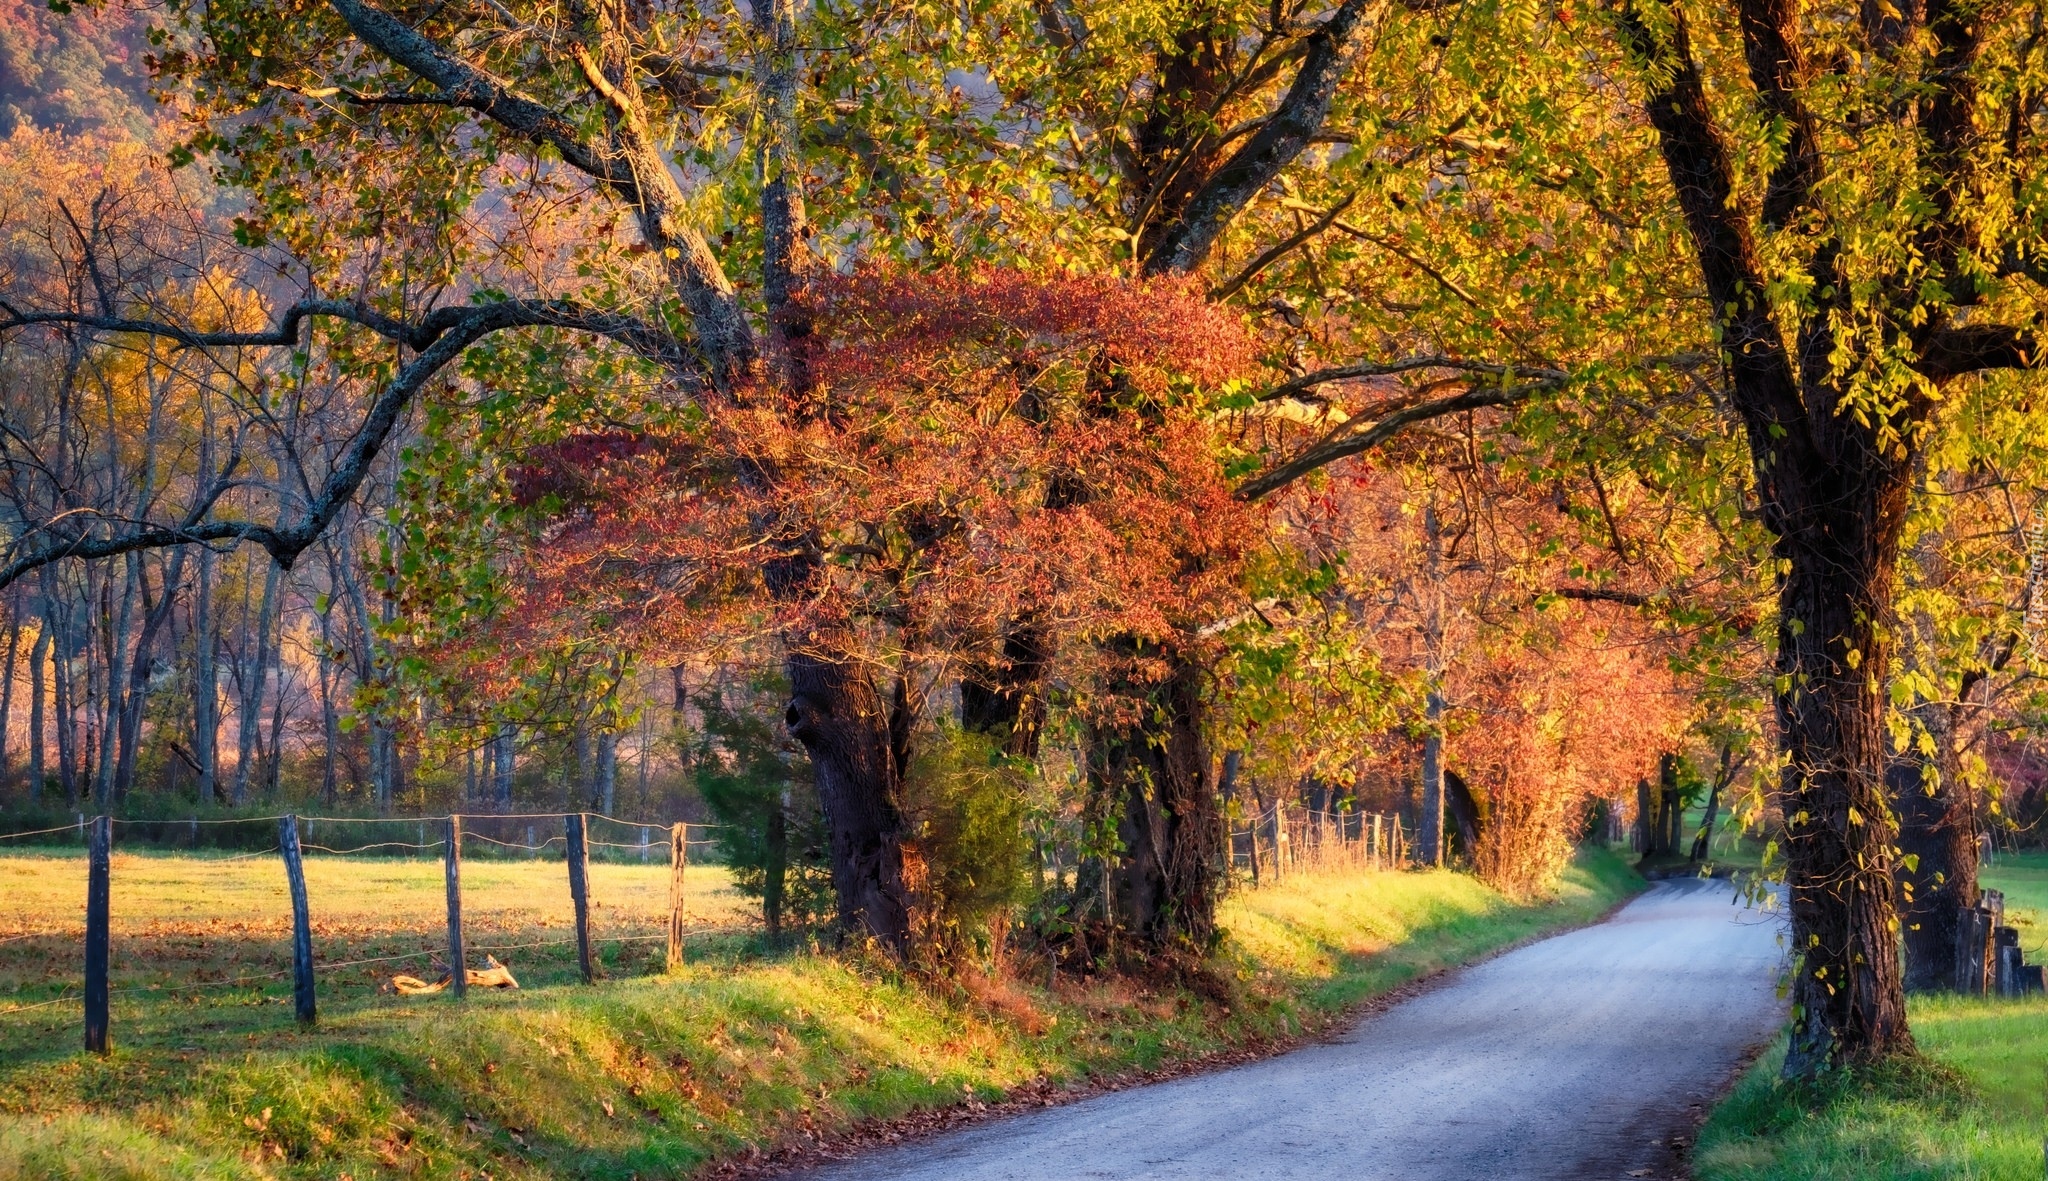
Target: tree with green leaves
[[1881, 256]]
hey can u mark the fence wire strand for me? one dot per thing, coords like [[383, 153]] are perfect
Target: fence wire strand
[[41, 1005], [14, 836], [365, 848], [195, 820], [477, 836]]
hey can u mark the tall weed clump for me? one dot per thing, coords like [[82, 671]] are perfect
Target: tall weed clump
[[967, 800]]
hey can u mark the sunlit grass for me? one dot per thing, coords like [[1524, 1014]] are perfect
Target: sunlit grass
[[204, 940], [1975, 1112]]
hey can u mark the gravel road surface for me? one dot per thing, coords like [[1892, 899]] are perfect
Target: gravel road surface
[[1581, 1056]]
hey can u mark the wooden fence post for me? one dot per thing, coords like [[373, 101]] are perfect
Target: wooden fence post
[[99, 841], [579, 891], [678, 858], [302, 922], [1375, 850], [458, 963]]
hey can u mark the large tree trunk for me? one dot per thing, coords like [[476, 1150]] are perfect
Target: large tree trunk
[[1833, 655], [1672, 808], [1461, 807], [855, 745], [1429, 835], [7, 690], [499, 755], [38, 660], [1832, 486], [843, 722], [1429, 828], [1166, 883], [206, 681]]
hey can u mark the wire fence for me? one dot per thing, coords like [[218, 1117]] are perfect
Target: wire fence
[[361, 903], [515, 833], [1281, 839], [353, 906]]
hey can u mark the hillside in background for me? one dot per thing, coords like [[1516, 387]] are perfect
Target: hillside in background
[[79, 71]]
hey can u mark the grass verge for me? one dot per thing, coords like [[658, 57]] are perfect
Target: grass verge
[[655, 1076], [1971, 1110]]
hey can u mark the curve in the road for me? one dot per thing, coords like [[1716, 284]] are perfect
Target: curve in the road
[[1576, 1057]]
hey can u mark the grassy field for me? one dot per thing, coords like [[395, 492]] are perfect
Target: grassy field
[[1977, 1114], [203, 941], [647, 1076]]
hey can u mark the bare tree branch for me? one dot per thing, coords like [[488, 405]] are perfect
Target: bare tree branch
[[358, 98], [466, 86], [1343, 442], [1406, 365], [1330, 52], [628, 160], [1952, 352], [290, 331], [447, 333], [1601, 594], [1280, 250]]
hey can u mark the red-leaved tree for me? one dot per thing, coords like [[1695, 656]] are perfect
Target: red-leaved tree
[[971, 455]]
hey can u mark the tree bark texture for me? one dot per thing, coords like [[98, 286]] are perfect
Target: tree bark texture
[[1167, 879], [1429, 828], [38, 660], [65, 707], [607, 772], [7, 690], [841, 718], [1670, 808], [1461, 808], [1849, 992]]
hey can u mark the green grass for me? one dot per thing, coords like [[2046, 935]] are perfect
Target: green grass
[[1973, 1110], [651, 1076]]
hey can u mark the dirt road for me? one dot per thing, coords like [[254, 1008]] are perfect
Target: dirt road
[[1578, 1057]]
